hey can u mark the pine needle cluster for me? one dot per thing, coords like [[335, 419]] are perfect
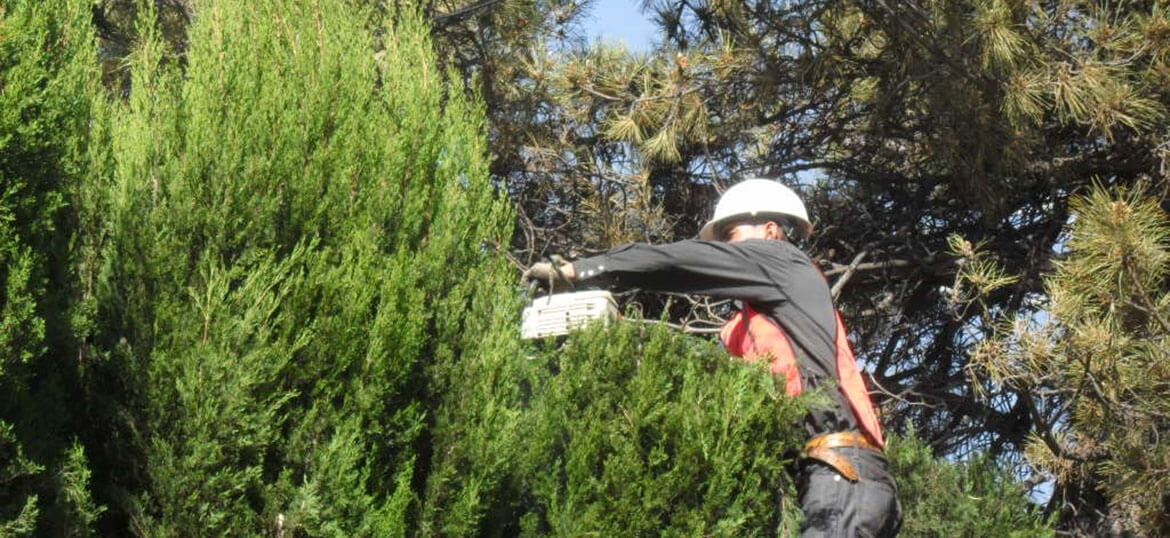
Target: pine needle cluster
[[1095, 365]]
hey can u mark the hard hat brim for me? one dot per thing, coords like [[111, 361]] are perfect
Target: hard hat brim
[[708, 231]]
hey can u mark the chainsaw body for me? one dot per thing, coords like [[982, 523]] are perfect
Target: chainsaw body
[[559, 313]]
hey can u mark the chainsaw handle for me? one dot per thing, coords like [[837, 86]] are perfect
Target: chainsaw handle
[[557, 261]]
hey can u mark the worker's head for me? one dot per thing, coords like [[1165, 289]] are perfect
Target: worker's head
[[738, 230], [757, 209]]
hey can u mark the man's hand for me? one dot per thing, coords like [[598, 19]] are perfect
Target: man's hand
[[557, 276]]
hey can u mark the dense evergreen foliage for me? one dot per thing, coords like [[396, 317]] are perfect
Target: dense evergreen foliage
[[293, 230], [624, 431], [974, 498], [47, 67], [256, 284]]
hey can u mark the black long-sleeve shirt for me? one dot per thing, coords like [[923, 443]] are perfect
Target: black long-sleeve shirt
[[775, 277]]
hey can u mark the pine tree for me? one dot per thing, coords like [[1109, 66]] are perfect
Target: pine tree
[[900, 123], [1094, 369]]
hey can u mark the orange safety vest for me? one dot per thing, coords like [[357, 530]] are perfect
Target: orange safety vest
[[759, 336]]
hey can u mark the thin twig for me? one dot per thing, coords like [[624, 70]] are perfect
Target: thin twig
[[454, 16], [837, 286], [889, 264], [682, 327]]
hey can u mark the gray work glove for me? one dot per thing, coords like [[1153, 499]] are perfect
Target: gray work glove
[[555, 276]]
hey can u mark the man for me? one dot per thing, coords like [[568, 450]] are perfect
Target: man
[[787, 317]]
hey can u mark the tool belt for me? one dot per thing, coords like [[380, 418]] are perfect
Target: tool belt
[[821, 447]]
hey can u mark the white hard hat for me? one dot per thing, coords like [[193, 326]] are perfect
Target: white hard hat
[[757, 198]]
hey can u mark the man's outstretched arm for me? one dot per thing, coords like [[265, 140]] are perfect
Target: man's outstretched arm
[[749, 270]]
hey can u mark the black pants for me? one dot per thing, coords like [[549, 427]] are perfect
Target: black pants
[[836, 507]]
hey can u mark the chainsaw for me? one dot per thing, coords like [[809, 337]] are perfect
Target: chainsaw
[[556, 314]]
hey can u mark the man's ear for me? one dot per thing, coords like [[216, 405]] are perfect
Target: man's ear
[[774, 230]]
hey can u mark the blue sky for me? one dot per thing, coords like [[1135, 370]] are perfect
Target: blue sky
[[619, 20]]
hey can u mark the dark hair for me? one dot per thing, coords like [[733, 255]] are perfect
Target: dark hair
[[787, 225]]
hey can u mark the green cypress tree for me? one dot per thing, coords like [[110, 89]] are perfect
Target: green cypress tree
[[294, 219], [971, 498], [47, 72], [636, 430], [655, 433], [626, 430]]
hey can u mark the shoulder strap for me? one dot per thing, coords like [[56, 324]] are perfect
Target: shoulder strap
[[854, 389], [754, 336]]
